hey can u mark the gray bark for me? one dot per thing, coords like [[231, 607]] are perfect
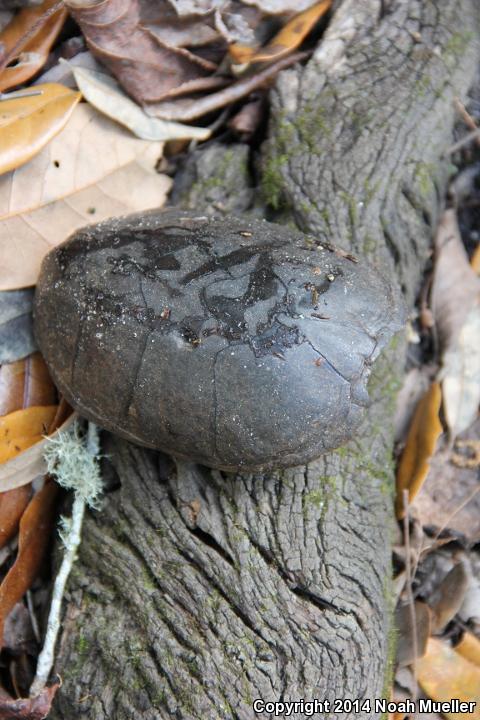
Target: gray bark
[[197, 592]]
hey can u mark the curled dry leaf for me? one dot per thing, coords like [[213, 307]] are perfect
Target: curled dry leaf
[[105, 94], [27, 124], [34, 535], [29, 464], [424, 432], [91, 170], [147, 69], [16, 331], [24, 383], [444, 674], [12, 507], [455, 300], [27, 41], [186, 109], [286, 41]]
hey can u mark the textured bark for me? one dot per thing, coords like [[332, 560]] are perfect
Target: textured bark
[[197, 592]]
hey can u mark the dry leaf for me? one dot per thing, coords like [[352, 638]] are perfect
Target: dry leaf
[[91, 170], [24, 383], [36, 708], [415, 384], [21, 429], [34, 536], [469, 648], [147, 69], [455, 300], [248, 118], [30, 51], [288, 39], [444, 674], [27, 124], [405, 632], [104, 93], [30, 464], [16, 331], [475, 260], [424, 432], [186, 109], [455, 287], [12, 507], [448, 597], [280, 7], [460, 375]]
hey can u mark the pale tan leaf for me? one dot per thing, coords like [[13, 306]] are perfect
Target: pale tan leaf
[[25, 467], [91, 170], [104, 93], [455, 286], [460, 375]]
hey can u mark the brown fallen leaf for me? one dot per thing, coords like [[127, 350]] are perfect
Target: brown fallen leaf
[[27, 124], [27, 41], [444, 674], [186, 109], [36, 708], [34, 536], [144, 66], [423, 434], [448, 597], [469, 648], [21, 429], [248, 118], [455, 300], [288, 39], [25, 382], [30, 463], [91, 170], [411, 640], [12, 507]]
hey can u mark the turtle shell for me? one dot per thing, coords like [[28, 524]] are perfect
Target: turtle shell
[[235, 343]]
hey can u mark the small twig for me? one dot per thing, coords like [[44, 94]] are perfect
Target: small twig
[[72, 541], [474, 135], [20, 94], [465, 115], [409, 579]]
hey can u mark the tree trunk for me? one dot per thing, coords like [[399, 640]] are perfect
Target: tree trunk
[[197, 592]]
